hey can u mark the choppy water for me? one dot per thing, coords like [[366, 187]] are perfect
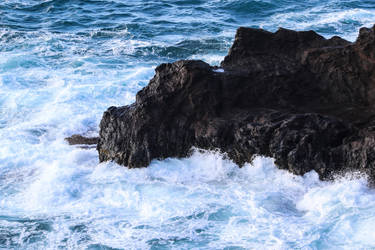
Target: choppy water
[[62, 63]]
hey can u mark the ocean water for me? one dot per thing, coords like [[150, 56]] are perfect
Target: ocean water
[[63, 62]]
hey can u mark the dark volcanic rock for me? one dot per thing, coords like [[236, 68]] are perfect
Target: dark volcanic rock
[[81, 140], [304, 100]]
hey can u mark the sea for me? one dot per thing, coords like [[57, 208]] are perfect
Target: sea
[[64, 62]]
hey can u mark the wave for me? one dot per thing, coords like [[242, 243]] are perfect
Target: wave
[[204, 201], [63, 63], [345, 23]]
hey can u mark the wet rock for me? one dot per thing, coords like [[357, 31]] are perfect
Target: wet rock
[[306, 101], [82, 140]]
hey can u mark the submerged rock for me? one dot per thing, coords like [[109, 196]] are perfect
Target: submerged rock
[[306, 101]]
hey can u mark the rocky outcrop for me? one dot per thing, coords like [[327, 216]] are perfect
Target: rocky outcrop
[[306, 101], [82, 140]]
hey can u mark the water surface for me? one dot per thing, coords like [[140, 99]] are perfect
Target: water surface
[[62, 63]]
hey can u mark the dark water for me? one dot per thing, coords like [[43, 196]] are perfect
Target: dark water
[[62, 63]]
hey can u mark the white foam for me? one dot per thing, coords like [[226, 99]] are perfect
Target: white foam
[[219, 70], [213, 60], [204, 200], [318, 18], [192, 198], [53, 85]]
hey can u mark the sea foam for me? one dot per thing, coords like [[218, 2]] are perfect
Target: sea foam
[[204, 201], [63, 63]]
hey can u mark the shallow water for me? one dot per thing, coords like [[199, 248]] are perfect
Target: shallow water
[[62, 63]]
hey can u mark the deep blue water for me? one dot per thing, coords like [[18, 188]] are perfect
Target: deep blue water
[[62, 63]]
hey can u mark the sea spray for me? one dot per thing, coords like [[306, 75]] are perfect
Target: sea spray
[[203, 201]]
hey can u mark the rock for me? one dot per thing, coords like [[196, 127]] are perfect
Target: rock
[[81, 140], [306, 101]]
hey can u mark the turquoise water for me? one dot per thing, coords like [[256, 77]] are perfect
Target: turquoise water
[[62, 63]]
